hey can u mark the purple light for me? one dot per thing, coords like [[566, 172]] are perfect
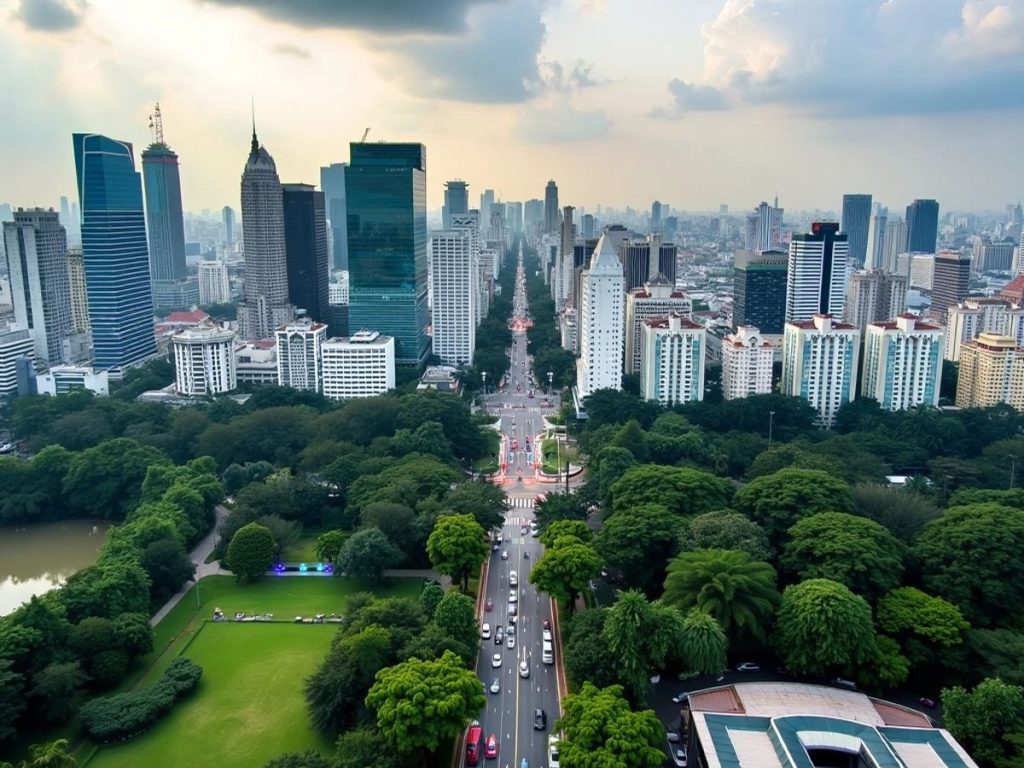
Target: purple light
[[329, 568], [279, 567]]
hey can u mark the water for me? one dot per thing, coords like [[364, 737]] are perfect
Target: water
[[37, 558]]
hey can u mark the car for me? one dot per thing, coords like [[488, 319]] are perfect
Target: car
[[545, 634], [504, 555], [515, 445], [511, 629], [496, 685], [513, 578], [547, 624], [491, 747], [673, 736], [524, 669], [748, 666], [525, 763], [485, 631], [678, 753], [488, 604], [496, 660], [510, 641], [513, 596], [540, 719], [553, 752], [512, 610], [495, 547], [499, 636], [501, 537], [523, 531], [681, 697], [534, 531]]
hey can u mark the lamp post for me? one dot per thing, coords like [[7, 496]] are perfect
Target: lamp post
[[551, 376], [771, 424], [483, 375]]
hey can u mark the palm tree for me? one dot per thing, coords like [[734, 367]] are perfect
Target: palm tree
[[738, 592], [50, 754], [641, 636]]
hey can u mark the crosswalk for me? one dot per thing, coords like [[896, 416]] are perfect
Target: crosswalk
[[518, 520], [520, 503]]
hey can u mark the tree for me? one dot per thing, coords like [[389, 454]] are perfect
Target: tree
[[585, 652], [133, 633], [971, 557], [168, 566], [703, 643], [430, 598], [106, 480], [456, 617], [484, 500], [368, 553], [638, 543], [641, 636], [726, 529], [852, 550], [682, 490], [51, 754], [559, 506], [12, 701], [600, 729], [923, 625], [395, 521], [307, 759], [983, 719], [576, 528], [364, 748], [613, 462], [57, 690], [328, 545], [902, 511], [565, 569], [458, 547], [778, 500], [822, 626], [739, 593], [251, 551], [422, 704]]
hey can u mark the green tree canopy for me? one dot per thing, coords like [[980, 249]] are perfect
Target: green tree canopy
[[778, 500], [575, 528], [641, 637], [484, 500], [600, 729], [458, 547], [106, 480], [455, 615], [638, 541], [726, 529], [923, 625], [565, 568], [559, 506], [367, 553], [704, 644], [585, 652], [988, 721], [681, 490], [57, 689], [251, 551], [903, 511]]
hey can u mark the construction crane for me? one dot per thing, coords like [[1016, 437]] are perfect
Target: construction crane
[[365, 134], [156, 125]]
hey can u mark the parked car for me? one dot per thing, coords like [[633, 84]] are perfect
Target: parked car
[[678, 753], [680, 697], [489, 605], [553, 752], [748, 666], [546, 634], [513, 596]]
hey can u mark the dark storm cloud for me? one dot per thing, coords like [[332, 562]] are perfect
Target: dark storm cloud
[[50, 15]]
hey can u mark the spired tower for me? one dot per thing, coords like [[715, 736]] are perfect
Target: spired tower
[[265, 305]]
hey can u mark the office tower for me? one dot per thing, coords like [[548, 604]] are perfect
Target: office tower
[[991, 372], [874, 295], [855, 221], [642, 259], [876, 240], [533, 217], [816, 279], [894, 243], [982, 314], [656, 216], [920, 267], [114, 249], [385, 188], [486, 203], [63, 379], [214, 286], [163, 207], [551, 208], [759, 290], [362, 365], [672, 360], [265, 305], [455, 291], [332, 182], [37, 267], [950, 282], [204, 361], [299, 354], [65, 211], [588, 226], [15, 345], [902, 363], [482, 263], [671, 226], [993, 257], [228, 216], [922, 226], [514, 217], [658, 298], [305, 247], [456, 200], [600, 322], [77, 290], [819, 364], [764, 227], [746, 364]]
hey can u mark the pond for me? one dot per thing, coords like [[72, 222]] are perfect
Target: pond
[[34, 559]]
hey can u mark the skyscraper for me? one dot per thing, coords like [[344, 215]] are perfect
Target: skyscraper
[[894, 243], [764, 227], [385, 188], [305, 246], [819, 364], [533, 216], [873, 296], [600, 322], [455, 295], [855, 222], [816, 280], [486, 203], [228, 215], [642, 259], [79, 295], [514, 217], [759, 290], [116, 256], [456, 201], [922, 226], [656, 216], [876, 240], [332, 182], [982, 314], [902, 363], [265, 304], [163, 207], [214, 286], [951, 280], [37, 265], [551, 221]]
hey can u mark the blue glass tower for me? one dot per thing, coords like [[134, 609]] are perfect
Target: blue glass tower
[[115, 254], [386, 200]]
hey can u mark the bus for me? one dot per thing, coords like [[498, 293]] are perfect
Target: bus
[[474, 743]]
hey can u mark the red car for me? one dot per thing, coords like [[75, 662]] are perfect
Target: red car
[[515, 445], [491, 748]]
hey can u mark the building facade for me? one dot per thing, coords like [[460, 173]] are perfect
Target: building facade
[[642, 259], [256, 362], [456, 201], [759, 290], [658, 298], [214, 284], [746, 364], [227, 215], [816, 278], [874, 295], [601, 322], [855, 222], [79, 295], [820, 359], [300, 355], [991, 372], [332, 182], [902, 363], [982, 314], [306, 250], [15, 345], [204, 361], [672, 360], [62, 379], [455, 280], [551, 218], [951, 280], [922, 226], [362, 365], [164, 218]]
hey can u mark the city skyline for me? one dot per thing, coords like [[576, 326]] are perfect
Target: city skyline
[[508, 95]]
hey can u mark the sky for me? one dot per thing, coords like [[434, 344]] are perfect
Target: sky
[[691, 102]]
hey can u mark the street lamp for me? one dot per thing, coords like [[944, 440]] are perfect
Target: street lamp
[[771, 424], [483, 375], [551, 376]]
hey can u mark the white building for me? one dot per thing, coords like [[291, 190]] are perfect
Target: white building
[[15, 343], [601, 322], [256, 362], [819, 363], [902, 363], [746, 364], [299, 354], [455, 290], [204, 361], [874, 295], [816, 273], [61, 379], [362, 365], [922, 270], [672, 360], [214, 285], [981, 314], [658, 298], [337, 292]]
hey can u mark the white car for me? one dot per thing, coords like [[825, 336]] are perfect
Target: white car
[[553, 752], [678, 752], [485, 631], [496, 686], [496, 660], [524, 669], [546, 635], [513, 596], [513, 579], [510, 641]]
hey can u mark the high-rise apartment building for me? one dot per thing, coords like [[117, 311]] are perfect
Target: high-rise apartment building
[[116, 255], [894, 243], [456, 200], [482, 261], [15, 346], [600, 322], [951, 281], [921, 269], [300, 354], [991, 372], [455, 291], [819, 364], [876, 240], [164, 218], [214, 285], [874, 295], [551, 220], [982, 314], [658, 298], [922, 226], [672, 360], [332, 182], [37, 267], [902, 363], [227, 215], [79, 295], [816, 277], [387, 245], [759, 290], [746, 364], [265, 305], [204, 361], [305, 246], [362, 365], [855, 222]]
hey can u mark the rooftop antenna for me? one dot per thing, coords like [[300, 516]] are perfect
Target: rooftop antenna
[[255, 142], [156, 124], [365, 134]]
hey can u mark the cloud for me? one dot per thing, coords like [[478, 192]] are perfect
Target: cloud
[[691, 97], [554, 77], [871, 57], [50, 15], [561, 124], [290, 49]]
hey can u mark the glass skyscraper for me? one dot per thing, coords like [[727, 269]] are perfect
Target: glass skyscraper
[[922, 226], [332, 182], [855, 222], [163, 212], [305, 246], [386, 200], [116, 257]]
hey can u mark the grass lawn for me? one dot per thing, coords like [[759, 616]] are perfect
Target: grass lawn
[[249, 705], [303, 550], [557, 457]]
